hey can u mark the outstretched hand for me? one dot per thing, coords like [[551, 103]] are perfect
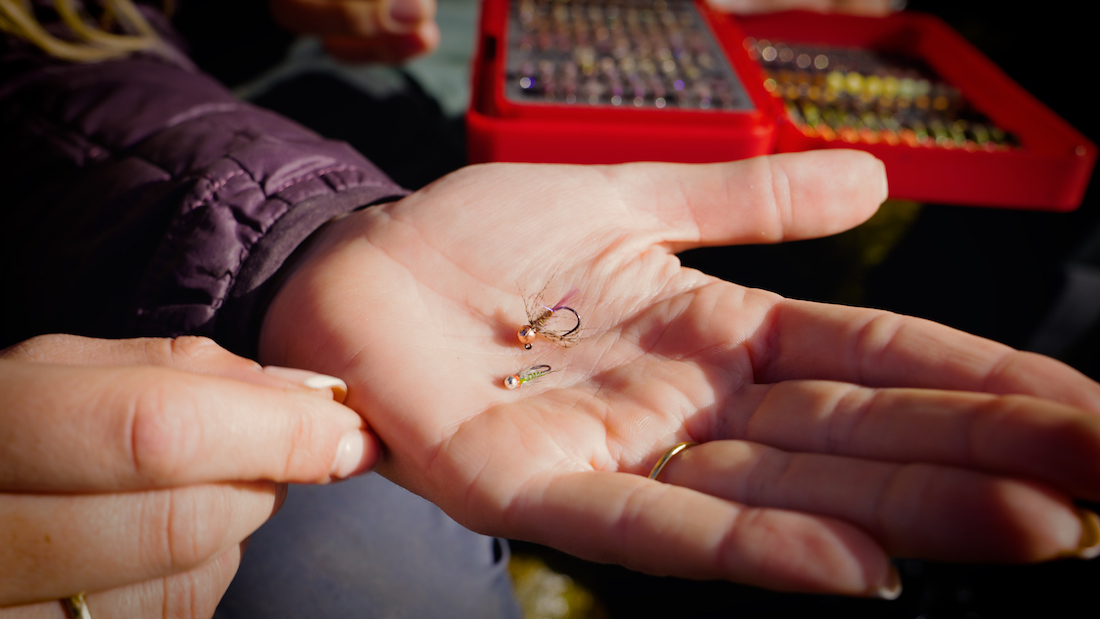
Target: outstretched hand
[[831, 437]]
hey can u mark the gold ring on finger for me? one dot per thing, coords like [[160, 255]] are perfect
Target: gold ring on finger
[[677, 448]]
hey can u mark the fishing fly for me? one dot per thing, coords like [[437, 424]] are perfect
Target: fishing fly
[[526, 376], [549, 322]]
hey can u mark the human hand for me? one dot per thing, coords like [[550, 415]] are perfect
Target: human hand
[[833, 437], [135, 469], [853, 7], [364, 30]]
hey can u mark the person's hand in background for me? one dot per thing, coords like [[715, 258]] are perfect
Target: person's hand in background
[[389, 31], [134, 470]]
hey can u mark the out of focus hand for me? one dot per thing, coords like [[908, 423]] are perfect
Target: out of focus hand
[[831, 437], [389, 31], [134, 470]]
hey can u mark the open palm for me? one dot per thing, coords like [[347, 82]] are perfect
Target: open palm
[[832, 437]]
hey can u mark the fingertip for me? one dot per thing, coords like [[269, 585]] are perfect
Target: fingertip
[[884, 192], [280, 499], [356, 453], [862, 176], [1088, 543], [891, 588], [408, 15], [428, 37], [832, 190], [835, 557], [329, 384]]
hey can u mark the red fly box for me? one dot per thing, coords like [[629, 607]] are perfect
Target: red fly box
[[611, 81]]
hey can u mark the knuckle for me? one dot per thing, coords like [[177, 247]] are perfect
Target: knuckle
[[302, 458], [185, 527], [194, 347], [163, 432], [195, 353]]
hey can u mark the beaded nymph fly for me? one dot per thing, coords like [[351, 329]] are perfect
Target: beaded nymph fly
[[558, 323], [526, 375]]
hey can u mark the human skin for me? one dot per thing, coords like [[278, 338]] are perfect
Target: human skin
[[832, 437], [389, 31], [135, 470]]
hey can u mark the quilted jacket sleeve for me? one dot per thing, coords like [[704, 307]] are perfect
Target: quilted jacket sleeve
[[140, 197]]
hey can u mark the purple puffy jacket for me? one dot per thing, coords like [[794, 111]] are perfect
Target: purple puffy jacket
[[140, 197]]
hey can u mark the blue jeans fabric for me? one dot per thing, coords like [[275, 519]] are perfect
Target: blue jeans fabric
[[366, 548]]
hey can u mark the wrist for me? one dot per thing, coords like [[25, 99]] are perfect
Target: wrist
[[294, 314], [239, 319]]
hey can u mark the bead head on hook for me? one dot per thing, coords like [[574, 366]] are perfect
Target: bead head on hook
[[527, 375], [526, 335]]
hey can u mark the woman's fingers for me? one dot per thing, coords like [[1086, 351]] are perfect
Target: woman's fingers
[[57, 545], [875, 348], [1006, 435], [914, 510], [71, 428], [664, 529]]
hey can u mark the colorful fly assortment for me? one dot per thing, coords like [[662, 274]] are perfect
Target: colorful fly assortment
[[648, 54], [558, 323], [859, 95], [526, 375]]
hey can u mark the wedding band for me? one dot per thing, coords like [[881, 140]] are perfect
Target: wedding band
[[657, 468], [76, 607]]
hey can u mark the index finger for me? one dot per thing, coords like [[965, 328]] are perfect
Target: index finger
[[190, 353], [881, 349]]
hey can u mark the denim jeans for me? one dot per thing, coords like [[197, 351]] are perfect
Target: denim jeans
[[366, 548]]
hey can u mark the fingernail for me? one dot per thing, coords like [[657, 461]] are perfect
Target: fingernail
[[407, 12], [1089, 546], [349, 455], [311, 380], [892, 589], [280, 498]]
